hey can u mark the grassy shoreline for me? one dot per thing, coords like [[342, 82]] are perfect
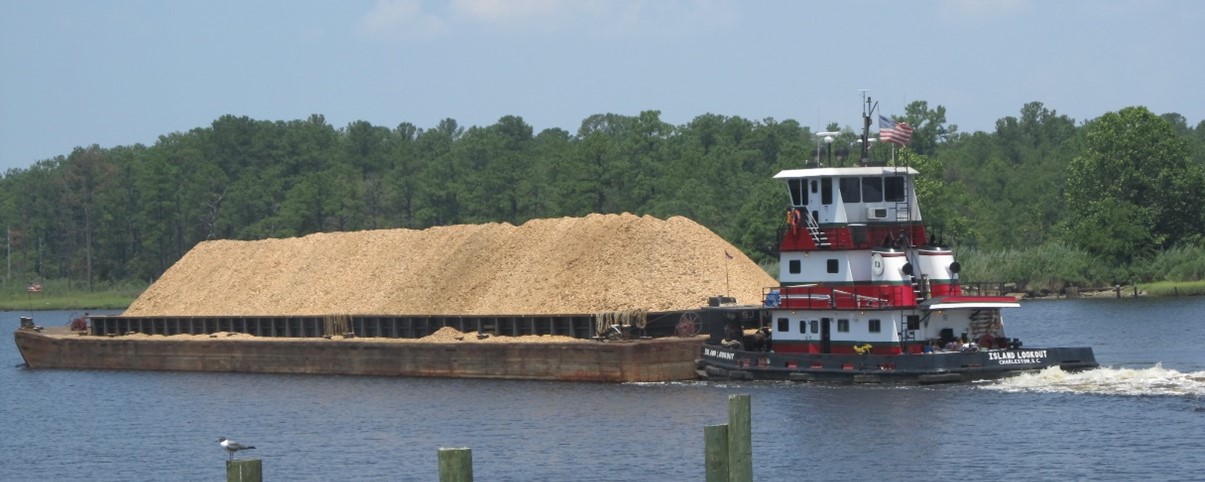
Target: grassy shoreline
[[1174, 288], [66, 301]]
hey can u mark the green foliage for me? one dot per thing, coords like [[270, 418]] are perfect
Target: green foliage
[[929, 126], [1011, 180], [1050, 266], [1134, 188], [1178, 264], [1054, 265], [942, 205], [1039, 200]]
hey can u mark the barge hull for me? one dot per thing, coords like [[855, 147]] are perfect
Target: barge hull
[[655, 360]]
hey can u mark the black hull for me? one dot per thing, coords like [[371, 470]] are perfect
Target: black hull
[[717, 362]]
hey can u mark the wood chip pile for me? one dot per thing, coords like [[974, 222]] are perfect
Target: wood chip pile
[[445, 334], [585, 265]]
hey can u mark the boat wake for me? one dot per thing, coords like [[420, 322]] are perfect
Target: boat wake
[[1153, 381]]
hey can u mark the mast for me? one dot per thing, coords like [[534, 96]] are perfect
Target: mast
[[867, 112]]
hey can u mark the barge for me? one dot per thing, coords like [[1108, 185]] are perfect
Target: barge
[[597, 298], [494, 347]]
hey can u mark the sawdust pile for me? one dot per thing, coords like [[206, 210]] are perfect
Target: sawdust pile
[[593, 264], [448, 334]]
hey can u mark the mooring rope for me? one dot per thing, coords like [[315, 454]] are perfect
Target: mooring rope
[[336, 325], [604, 320]]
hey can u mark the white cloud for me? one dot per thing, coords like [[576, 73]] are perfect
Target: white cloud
[[510, 11], [963, 9], [392, 18]]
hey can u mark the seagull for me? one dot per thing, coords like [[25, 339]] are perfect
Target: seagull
[[232, 446]]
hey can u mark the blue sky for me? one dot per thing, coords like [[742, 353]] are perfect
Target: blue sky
[[123, 72]]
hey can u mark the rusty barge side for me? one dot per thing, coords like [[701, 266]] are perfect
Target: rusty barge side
[[651, 360]]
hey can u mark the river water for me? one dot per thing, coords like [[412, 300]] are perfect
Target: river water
[[1140, 417]]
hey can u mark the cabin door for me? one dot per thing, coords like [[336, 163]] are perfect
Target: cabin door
[[826, 340]]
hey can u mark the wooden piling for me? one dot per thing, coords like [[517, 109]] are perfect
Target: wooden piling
[[740, 439], [455, 465], [715, 452], [246, 470]]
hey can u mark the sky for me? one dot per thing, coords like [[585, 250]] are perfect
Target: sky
[[74, 73]]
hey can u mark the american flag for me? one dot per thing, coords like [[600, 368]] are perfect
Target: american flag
[[896, 133], [34, 288]]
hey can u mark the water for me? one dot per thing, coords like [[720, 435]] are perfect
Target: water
[[1141, 417]]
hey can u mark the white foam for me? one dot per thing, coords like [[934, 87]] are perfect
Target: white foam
[[1155, 380]]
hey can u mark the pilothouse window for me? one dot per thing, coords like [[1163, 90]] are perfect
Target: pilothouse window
[[851, 189], [893, 188], [797, 195], [872, 189]]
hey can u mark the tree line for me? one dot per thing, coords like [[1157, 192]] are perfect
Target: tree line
[[1121, 188]]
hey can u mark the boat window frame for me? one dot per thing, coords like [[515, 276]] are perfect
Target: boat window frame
[[872, 189], [794, 266], [784, 324], [834, 266], [798, 195], [874, 325], [842, 325], [851, 189], [894, 190]]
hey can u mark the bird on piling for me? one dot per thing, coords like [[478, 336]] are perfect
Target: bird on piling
[[232, 446]]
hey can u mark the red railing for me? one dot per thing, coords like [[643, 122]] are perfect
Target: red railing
[[840, 297], [799, 238]]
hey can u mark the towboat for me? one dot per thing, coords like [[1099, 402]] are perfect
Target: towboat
[[867, 294]]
